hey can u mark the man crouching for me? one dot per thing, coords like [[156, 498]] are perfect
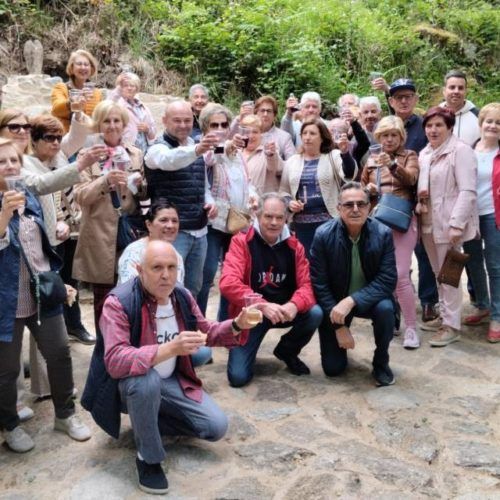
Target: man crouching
[[141, 365]]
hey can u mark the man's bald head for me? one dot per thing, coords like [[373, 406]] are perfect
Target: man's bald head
[[178, 120], [158, 269]]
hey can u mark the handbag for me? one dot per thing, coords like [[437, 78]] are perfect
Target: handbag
[[126, 233], [393, 211], [47, 287], [237, 220], [453, 265]]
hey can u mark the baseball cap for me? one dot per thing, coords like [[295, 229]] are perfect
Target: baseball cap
[[402, 84]]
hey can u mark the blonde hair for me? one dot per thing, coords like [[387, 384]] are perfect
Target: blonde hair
[[252, 121], [492, 107], [129, 77], [389, 124], [83, 53], [103, 109], [9, 142]]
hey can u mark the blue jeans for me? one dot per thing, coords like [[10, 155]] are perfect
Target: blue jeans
[[242, 359], [193, 251], [491, 255], [334, 358], [305, 234], [158, 407], [427, 287], [202, 356], [217, 246]]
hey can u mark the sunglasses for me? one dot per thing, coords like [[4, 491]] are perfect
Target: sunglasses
[[349, 205], [16, 127], [51, 138], [216, 125]]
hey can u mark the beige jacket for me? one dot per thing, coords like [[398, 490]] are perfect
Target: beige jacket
[[96, 255], [328, 178]]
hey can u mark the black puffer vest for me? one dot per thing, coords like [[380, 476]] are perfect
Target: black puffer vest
[[185, 188]]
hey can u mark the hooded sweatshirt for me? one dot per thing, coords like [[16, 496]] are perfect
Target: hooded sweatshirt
[[466, 125]]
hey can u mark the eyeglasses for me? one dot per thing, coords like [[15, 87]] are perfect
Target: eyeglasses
[[52, 138], [16, 127], [403, 97], [216, 125], [349, 205], [264, 111]]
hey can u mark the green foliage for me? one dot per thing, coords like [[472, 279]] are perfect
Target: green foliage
[[245, 48]]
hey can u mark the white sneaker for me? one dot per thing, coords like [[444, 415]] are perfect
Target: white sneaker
[[24, 413], [431, 326], [73, 427], [17, 440], [411, 339]]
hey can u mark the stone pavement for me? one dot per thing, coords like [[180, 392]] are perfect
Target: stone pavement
[[436, 433]]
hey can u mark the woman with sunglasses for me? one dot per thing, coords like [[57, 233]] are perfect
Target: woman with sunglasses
[[230, 186], [398, 170], [21, 223], [81, 67]]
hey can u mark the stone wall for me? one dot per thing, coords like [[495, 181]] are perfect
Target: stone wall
[[31, 93]]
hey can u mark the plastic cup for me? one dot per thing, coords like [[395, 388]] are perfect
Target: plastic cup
[[374, 75], [375, 149], [245, 134], [75, 100]]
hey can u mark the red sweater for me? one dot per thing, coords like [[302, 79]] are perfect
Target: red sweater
[[237, 270]]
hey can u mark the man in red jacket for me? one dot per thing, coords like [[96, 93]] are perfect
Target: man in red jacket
[[269, 261]]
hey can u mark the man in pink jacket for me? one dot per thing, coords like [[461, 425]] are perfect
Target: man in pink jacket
[[271, 262]]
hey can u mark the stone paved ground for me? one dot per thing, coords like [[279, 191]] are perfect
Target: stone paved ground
[[436, 433]]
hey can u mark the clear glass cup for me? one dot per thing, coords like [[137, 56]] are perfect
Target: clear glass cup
[[245, 134], [16, 183], [375, 150], [76, 100], [88, 89], [254, 315], [374, 75]]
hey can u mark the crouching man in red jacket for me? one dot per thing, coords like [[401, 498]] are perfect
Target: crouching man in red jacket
[[269, 261]]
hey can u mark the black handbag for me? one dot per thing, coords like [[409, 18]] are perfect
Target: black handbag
[[126, 233], [393, 211], [47, 287]]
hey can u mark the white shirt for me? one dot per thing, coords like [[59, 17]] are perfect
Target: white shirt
[[166, 330], [484, 181]]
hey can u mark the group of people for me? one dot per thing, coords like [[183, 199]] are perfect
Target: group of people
[[147, 219]]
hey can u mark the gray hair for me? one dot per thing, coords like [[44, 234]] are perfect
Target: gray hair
[[273, 195], [356, 99], [211, 109], [354, 185], [195, 87], [369, 100], [310, 96]]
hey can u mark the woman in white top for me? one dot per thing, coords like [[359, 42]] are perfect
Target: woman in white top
[[488, 201], [162, 223]]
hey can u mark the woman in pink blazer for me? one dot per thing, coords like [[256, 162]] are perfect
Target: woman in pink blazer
[[448, 210]]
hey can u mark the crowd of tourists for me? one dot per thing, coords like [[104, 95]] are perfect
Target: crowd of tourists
[[309, 222]]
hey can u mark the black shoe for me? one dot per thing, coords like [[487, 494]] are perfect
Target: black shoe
[[26, 369], [294, 364], [81, 335], [383, 375], [152, 479], [429, 312]]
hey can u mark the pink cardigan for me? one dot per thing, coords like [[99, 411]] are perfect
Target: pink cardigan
[[451, 178]]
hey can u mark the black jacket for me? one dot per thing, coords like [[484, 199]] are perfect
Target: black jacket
[[331, 264]]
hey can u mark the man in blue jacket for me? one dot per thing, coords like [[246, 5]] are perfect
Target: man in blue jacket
[[353, 272]]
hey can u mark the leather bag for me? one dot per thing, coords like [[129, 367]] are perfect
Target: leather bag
[[452, 267]]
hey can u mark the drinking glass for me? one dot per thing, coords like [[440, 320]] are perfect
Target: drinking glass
[[254, 315], [75, 100], [245, 134], [16, 183], [375, 151]]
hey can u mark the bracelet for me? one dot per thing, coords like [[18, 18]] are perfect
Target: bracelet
[[235, 326]]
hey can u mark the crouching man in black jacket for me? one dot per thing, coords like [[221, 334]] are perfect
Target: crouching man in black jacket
[[353, 272]]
